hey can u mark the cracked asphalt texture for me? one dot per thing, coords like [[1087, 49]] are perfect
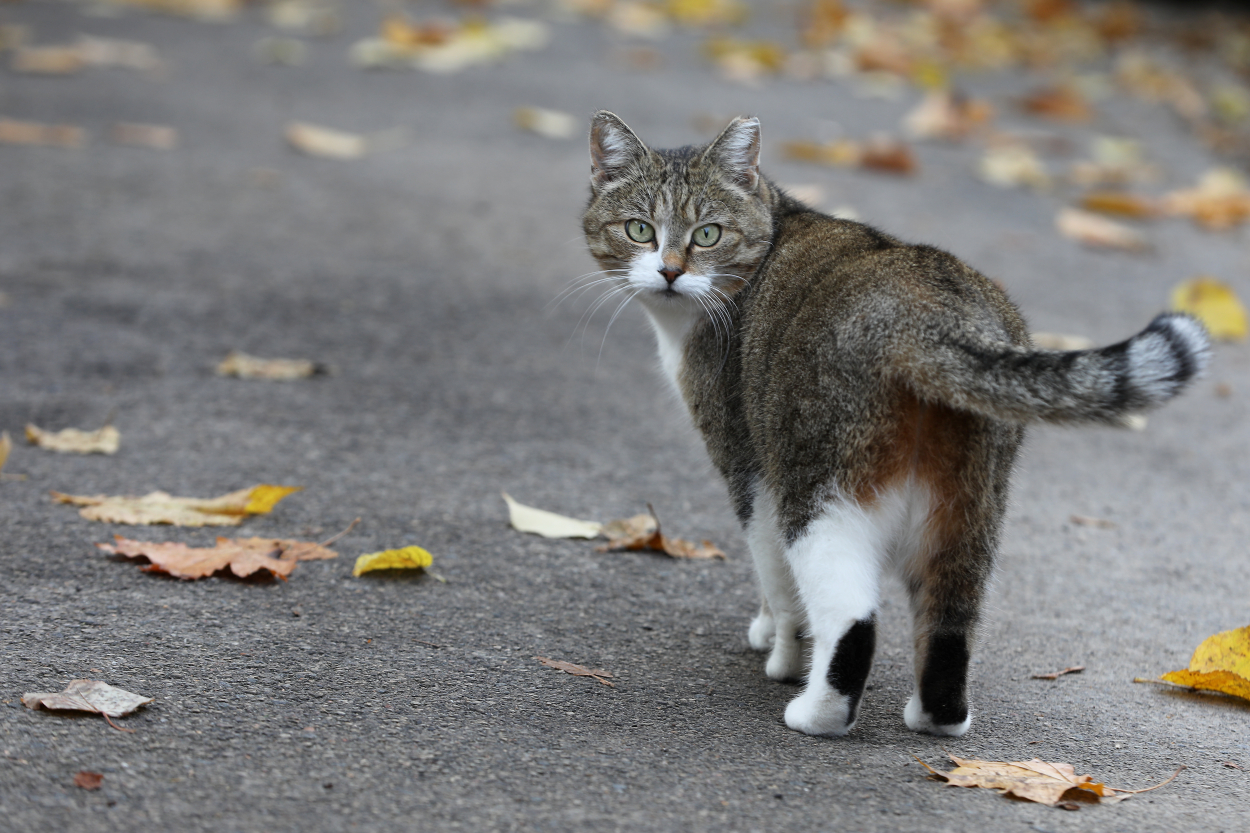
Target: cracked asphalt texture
[[426, 276]]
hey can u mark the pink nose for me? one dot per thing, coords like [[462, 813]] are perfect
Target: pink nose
[[672, 273]]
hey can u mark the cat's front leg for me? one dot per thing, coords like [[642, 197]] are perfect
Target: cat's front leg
[[776, 627], [836, 565]]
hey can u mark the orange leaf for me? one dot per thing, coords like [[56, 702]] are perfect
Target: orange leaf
[[577, 670], [242, 556], [1121, 204], [642, 532]]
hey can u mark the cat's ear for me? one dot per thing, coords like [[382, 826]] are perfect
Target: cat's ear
[[613, 146], [737, 150]]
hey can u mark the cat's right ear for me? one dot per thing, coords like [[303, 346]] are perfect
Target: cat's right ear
[[613, 146]]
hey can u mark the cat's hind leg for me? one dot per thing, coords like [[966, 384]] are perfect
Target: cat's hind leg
[[776, 627], [837, 562]]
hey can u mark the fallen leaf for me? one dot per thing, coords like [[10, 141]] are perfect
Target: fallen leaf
[[406, 558], [1095, 230], [442, 48], [809, 194], [110, 52], [703, 14], [1084, 520], [249, 367], [104, 440], [1012, 165], [948, 116], [214, 10], [577, 670], [155, 136], [1215, 304], [13, 132], [6, 446], [1061, 341], [842, 153], [1114, 161], [549, 123], [640, 20], [1220, 201], [315, 18], [1061, 103], [88, 780], [1120, 204], [242, 556], [315, 140], [745, 61], [889, 156], [1054, 675], [47, 60], [642, 532], [1221, 663], [161, 508], [89, 696], [548, 524], [1034, 780]]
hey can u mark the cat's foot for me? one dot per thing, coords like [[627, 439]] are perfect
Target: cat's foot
[[918, 720], [786, 660], [821, 710], [762, 633]]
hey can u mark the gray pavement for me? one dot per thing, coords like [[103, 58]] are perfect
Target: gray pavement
[[425, 277]]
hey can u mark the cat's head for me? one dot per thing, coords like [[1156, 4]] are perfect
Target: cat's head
[[684, 227]]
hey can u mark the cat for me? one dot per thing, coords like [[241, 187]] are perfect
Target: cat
[[863, 398]]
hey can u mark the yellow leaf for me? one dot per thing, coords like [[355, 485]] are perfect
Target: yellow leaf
[[548, 524], [1215, 304], [104, 440], [1223, 681], [551, 124], [163, 508], [249, 367], [6, 445], [1221, 663], [406, 558]]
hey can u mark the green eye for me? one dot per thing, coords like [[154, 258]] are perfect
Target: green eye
[[639, 231], [706, 235]]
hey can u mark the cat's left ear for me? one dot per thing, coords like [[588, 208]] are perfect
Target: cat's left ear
[[613, 148], [737, 149]]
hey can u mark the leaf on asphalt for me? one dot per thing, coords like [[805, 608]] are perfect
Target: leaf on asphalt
[[104, 440], [840, 154], [638, 19], [241, 556], [1220, 201], [1098, 231], [88, 696], [745, 61], [13, 132], [1054, 675], [1221, 663], [549, 123], [250, 367], [313, 18], [405, 558], [548, 524], [1120, 204], [1086, 520], [1215, 304], [880, 153], [316, 140], [1061, 103], [642, 532], [214, 10], [1115, 161], [577, 670], [6, 446], [1012, 165], [887, 155], [1034, 780], [88, 780], [948, 116], [155, 136], [47, 60], [162, 508], [1061, 341], [442, 47]]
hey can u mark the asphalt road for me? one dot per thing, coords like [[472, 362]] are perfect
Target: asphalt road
[[425, 276]]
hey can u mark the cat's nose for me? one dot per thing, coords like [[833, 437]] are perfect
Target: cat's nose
[[672, 273]]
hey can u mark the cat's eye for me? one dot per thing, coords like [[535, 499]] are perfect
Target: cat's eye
[[706, 235], [639, 231]]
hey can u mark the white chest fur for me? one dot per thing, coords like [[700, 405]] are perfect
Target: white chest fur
[[672, 323]]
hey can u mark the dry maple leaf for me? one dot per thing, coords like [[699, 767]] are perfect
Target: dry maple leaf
[[642, 532], [89, 696], [577, 670], [244, 366], [242, 556], [1034, 780], [104, 440], [88, 780], [162, 508]]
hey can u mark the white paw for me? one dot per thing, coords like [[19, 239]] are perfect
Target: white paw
[[918, 720], [762, 632], [820, 711], [786, 660]]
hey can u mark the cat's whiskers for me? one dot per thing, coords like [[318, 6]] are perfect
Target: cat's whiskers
[[606, 329], [581, 283]]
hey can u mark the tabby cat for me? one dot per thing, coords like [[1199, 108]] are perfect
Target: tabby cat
[[864, 398]]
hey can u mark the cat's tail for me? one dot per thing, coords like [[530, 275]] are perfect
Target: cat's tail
[[1106, 384]]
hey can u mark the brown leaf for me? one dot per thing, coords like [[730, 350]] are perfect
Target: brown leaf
[[1120, 204], [1062, 103], [13, 132], [249, 367], [89, 696], [88, 780], [1054, 675], [642, 532], [104, 440], [888, 156], [1085, 520], [242, 556], [577, 670], [47, 60], [1034, 780], [947, 115], [162, 508]]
